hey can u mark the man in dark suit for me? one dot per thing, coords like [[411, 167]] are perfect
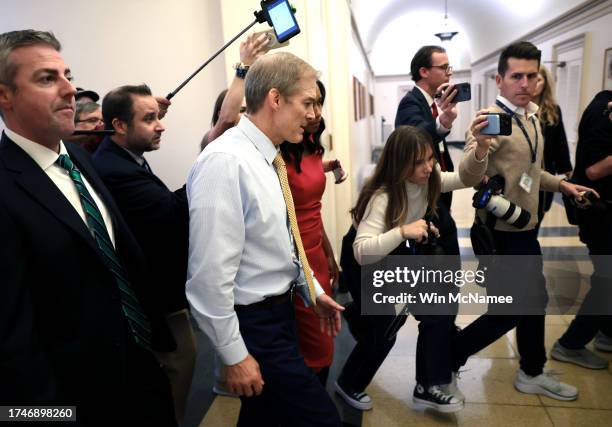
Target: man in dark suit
[[431, 72], [594, 169], [158, 217], [76, 327]]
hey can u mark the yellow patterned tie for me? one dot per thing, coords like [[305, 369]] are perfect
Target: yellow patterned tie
[[281, 171]]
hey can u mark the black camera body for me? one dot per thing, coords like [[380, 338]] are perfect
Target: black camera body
[[489, 196]]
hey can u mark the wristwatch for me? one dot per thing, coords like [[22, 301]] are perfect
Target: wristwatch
[[241, 70]]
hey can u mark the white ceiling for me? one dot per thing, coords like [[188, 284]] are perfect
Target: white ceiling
[[392, 30]]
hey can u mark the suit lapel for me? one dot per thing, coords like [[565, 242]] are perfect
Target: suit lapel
[[35, 182], [416, 92], [110, 146]]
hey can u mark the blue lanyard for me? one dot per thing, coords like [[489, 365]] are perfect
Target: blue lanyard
[[520, 125]]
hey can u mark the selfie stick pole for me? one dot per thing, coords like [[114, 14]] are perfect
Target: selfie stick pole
[[259, 18]]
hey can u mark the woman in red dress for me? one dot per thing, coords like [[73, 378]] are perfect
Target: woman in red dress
[[306, 172]]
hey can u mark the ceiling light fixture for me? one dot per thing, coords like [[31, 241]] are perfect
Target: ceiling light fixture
[[446, 35]]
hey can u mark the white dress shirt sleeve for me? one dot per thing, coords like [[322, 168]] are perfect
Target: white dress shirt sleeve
[[216, 241], [442, 131]]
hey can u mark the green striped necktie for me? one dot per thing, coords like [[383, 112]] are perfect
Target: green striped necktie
[[136, 318]]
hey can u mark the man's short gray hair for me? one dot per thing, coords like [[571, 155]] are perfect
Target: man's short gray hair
[[281, 71], [85, 108], [15, 39]]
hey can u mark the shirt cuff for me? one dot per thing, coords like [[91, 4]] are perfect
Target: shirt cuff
[[233, 353], [441, 129], [318, 288]]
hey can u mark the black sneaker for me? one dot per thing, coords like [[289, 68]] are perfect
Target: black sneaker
[[436, 397], [358, 400]]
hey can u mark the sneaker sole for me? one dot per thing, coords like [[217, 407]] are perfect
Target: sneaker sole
[[421, 404], [350, 401], [536, 389], [568, 359]]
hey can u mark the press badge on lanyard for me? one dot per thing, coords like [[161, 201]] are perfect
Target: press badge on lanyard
[[526, 182]]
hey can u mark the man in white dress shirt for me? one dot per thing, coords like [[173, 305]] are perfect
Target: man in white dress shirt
[[243, 261]]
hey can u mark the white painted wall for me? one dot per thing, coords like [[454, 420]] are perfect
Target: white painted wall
[[392, 28], [388, 89], [598, 38], [157, 42], [363, 131]]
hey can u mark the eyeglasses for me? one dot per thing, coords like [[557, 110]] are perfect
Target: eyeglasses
[[92, 121], [444, 67]]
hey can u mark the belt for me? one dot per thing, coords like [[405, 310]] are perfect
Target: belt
[[266, 303]]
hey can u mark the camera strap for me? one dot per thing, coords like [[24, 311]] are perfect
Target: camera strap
[[522, 127]]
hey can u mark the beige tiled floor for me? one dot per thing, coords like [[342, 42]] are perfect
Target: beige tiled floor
[[487, 379]]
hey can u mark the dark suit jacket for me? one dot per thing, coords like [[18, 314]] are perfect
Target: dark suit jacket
[[556, 155], [63, 335], [158, 217], [414, 110]]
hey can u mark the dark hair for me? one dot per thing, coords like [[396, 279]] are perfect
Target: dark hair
[[118, 103], [12, 40], [217, 108], [519, 50], [406, 145], [423, 59], [311, 144]]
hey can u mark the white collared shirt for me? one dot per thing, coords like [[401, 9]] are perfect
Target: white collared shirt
[[531, 110], [240, 250], [46, 159], [439, 128]]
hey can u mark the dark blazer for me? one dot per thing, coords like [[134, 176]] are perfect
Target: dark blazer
[[158, 217], [63, 335], [413, 110], [556, 154]]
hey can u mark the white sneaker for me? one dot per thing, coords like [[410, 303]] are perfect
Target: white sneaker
[[603, 343], [545, 384], [453, 388]]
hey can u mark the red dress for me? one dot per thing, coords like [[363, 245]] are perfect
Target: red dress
[[307, 189]]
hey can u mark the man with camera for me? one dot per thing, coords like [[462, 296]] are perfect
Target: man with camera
[[516, 158], [593, 168]]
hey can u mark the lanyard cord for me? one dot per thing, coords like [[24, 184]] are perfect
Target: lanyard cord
[[522, 127]]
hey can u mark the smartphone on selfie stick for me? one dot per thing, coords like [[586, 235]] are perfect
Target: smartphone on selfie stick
[[277, 13]]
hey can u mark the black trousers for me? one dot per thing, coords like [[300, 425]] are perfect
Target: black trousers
[[595, 313], [292, 394], [529, 328], [433, 355]]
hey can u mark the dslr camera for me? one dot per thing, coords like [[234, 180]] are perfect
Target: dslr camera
[[489, 196]]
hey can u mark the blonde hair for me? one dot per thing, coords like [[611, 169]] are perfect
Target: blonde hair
[[547, 113]]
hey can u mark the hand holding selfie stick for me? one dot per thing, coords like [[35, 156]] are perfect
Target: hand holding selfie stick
[[260, 17]]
